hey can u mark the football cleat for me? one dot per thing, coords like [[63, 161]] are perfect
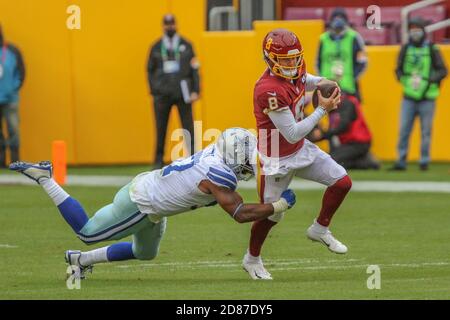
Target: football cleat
[[72, 257], [327, 239], [255, 269], [34, 171]]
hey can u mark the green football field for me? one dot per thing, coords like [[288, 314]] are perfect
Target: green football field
[[405, 234]]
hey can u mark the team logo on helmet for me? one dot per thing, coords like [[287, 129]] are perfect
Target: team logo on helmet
[[269, 43]]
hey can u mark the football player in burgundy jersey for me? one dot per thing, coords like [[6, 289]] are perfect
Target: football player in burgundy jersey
[[283, 151]]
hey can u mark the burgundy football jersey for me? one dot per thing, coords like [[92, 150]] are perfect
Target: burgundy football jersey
[[273, 93]]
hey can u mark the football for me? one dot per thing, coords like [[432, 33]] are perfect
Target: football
[[326, 90]]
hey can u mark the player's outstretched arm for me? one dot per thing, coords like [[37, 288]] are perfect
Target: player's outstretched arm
[[233, 204]]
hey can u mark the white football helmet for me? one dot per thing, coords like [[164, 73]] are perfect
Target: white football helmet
[[237, 147]]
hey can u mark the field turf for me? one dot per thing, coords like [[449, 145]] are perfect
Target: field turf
[[405, 234]]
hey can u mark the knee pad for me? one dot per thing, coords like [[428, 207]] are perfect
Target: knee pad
[[276, 217], [144, 252], [145, 255]]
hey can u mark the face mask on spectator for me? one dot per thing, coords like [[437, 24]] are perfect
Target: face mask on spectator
[[416, 35], [338, 24], [170, 33]]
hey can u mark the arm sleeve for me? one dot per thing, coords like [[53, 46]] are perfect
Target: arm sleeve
[[359, 56], [399, 68], [347, 114], [312, 81], [20, 70], [194, 72], [291, 130], [439, 71]]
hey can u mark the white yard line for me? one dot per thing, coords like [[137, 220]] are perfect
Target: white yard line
[[343, 267], [8, 246], [358, 186], [283, 265], [225, 263]]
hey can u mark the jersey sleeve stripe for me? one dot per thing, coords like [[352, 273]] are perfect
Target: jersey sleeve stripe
[[229, 179], [223, 174], [221, 182]]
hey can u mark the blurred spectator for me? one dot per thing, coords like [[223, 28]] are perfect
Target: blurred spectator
[[420, 69], [12, 75], [174, 80], [349, 136], [342, 55]]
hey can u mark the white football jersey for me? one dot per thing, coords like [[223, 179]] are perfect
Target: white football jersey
[[174, 188]]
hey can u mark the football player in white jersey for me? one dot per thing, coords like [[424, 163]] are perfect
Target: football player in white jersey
[[141, 207]]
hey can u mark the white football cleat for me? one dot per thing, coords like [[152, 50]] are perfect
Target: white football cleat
[[255, 268], [34, 171], [72, 257], [327, 239]]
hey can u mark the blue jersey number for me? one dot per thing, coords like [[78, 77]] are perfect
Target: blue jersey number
[[181, 165]]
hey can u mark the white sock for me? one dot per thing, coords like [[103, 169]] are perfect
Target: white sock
[[319, 228], [252, 259], [94, 256], [54, 191]]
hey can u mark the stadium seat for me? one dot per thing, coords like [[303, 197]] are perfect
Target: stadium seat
[[373, 37], [356, 16], [291, 13]]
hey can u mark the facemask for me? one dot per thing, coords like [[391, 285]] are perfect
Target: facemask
[[170, 33], [288, 72], [416, 35]]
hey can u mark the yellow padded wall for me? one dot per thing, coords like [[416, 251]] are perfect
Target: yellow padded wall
[[89, 86], [230, 70], [115, 119], [382, 95], [38, 28], [114, 115]]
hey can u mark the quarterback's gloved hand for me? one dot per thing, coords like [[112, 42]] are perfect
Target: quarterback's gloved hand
[[289, 196]]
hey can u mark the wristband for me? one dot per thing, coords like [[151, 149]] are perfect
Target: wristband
[[237, 209], [280, 206]]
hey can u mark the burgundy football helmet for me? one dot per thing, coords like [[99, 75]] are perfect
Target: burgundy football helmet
[[283, 53]]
